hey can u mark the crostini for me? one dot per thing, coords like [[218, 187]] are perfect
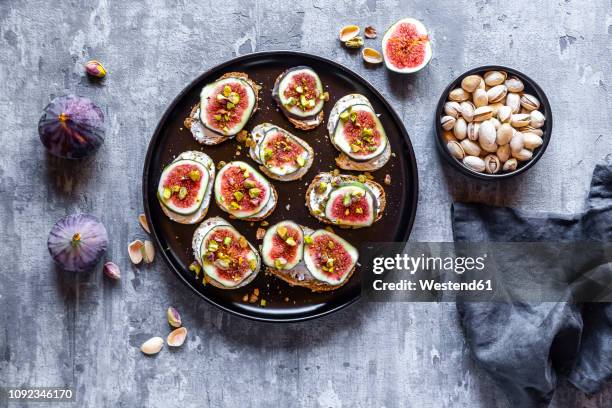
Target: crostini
[[319, 260], [282, 155], [357, 132], [185, 187], [228, 260], [243, 193], [225, 107], [299, 94], [345, 200]]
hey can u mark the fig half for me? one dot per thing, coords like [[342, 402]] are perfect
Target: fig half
[[406, 46]]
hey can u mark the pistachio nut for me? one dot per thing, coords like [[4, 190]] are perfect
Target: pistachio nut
[[472, 130], [448, 136], [504, 134], [532, 141], [483, 113], [530, 102], [152, 346], [487, 136], [474, 163], [480, 98], [452, 108], [355, 42], [497, 93], [177, 337], [447, 122], [523, 155], [458, 95], [514, 84], [493, 78], [513, 100], [371, 56], [112, 270], [492, 164], [467, 110], [537, 119], [510, 165], [520, 119], [496, 123], [504, 113], [496, 106], [503, 152], [174, 318], [348, 32], [470, 83], [531, 129], [460, 129], [470, 148], [516, 143], [482, 85], [455, 150], [95, 69]]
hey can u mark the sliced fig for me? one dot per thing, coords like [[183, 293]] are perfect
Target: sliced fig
[[299, 92], [359, 133], [182, 186], [351, 205], [406, 46], [329, 258], [281, 153], [241, 191], [227, 257], [283, 245], [226, 105]]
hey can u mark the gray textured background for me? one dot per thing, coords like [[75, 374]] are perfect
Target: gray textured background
[[57, 328]]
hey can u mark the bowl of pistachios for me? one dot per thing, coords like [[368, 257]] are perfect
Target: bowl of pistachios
[[493, 122]]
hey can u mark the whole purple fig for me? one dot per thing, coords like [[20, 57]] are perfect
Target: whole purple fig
[[71, 127]]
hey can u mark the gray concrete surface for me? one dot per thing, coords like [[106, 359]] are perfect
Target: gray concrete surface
[[57, 328]]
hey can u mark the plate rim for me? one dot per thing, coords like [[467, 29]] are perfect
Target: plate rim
[[242, 58]]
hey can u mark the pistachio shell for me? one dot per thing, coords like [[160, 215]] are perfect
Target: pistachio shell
[[513, 100], [483, 113], [537, 119], [504, 113], [480, 98], [470, 148], [448, 136], [474, 163], [523, 155], [470, 83], [497, 93], [152, 346], [148, 252], [492, 164], [177, 337], [531, 129], [455, 150], [95, 69], [348, 32], [472, 130], [503, 152], [448, 122], [529, 102], [510, 165], [458, 95], [532, 141], [504, 134], [487, 136], [514, 84], [369, 32], [520, 119], [496, 107], [493, 78], [516, 143], [467, 110], [496, 123], [452, 108], [460, 129], [371, 56], [112, 270], [143, 223], [135, 250], [174, 318]]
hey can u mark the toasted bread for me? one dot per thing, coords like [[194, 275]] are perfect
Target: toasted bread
[[302, 123]]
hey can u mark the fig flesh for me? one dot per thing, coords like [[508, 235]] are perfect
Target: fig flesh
[[282, 246], [406, 46]]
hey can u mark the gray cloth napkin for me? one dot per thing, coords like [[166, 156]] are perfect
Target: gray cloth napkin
[[525, 346]]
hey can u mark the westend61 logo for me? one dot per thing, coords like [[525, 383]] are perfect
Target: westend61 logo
[[412, 264]]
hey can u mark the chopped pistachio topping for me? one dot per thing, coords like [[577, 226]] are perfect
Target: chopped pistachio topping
[[331, 244], [249, 183], [218, 118], [220, 97], [246, 173], [242, 242], [254, 192], [311, 103], [308, 239], [230, 105], [355, 148], [346, 201], [183, 193], [195, 175], [300, 161], [227, 241], [227, 90], [234, 205], [176, 188], [279, 263], [268, 153], [252, 264], [359, 210], [299, 89], [238, 195], [344, 116], [290, 241], [234, 98], [361, 178], [281, 231], [291, 101], [263, 303], [213, 246], [167, 193], [322, 187], [353, 117]]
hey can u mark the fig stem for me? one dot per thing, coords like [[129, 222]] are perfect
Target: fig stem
[[76, 240], [63, 117]]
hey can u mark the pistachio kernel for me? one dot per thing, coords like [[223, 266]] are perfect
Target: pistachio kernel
[[300, 161], [227, 90], [346, 201], [167, 193], [281, 231], [308, 239], [238, 195], [182, 193], [254, 192], [344, 116], [290, 241], [249, 183], [195, 175]]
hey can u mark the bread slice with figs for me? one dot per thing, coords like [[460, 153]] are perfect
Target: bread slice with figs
[[282, 156], [299, 94], [228, 260], [318, 260], [345, 200], [225, 107]]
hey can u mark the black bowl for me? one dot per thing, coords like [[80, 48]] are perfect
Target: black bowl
[[530, 87]]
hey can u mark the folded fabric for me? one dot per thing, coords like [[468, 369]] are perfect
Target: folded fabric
[[524, 345]]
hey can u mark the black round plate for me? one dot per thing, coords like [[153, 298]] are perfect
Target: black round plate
[[284, 303]]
